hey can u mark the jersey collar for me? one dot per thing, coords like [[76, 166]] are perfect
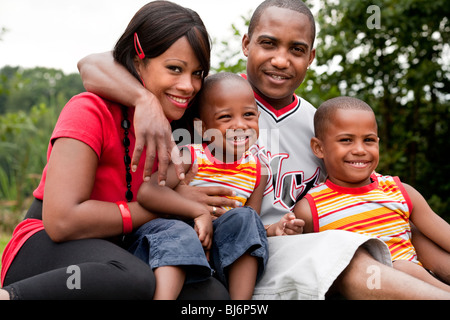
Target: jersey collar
[[276, 114]]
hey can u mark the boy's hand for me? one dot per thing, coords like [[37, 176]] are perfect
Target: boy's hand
[[288, 225], [203, 227], [292, 225]]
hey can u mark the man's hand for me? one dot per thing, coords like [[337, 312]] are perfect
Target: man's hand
[[152, 130]]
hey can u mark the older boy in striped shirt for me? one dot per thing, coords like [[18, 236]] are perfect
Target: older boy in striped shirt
[[354, 198]]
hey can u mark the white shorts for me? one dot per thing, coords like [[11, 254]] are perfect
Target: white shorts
[[303, 267]]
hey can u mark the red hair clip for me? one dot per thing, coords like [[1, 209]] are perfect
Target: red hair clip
[[138, 48]]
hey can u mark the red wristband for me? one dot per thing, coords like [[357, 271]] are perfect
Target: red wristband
[[126, 217]]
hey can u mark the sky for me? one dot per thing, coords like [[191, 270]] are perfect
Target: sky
[[58, 33]]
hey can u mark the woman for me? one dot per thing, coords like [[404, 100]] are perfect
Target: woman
[[71, 240]]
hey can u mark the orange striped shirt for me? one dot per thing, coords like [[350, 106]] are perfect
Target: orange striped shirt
[[380, 209], [241, 176]]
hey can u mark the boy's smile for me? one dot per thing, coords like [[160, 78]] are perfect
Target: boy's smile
[[349, 147], [230, 120], [279, 54]]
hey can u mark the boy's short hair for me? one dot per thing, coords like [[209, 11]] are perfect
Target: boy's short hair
[[325, 113], [209, 84], [295, 5]]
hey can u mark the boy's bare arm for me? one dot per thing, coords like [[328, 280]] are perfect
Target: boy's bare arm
[[162, 198], [427, 221], [302, 211], [255, 200]]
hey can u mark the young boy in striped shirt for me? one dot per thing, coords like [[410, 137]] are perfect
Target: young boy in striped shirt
[[229, 116], [357, 199]]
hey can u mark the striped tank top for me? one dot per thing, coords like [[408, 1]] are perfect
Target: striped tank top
[[380, 209], [242, 176]]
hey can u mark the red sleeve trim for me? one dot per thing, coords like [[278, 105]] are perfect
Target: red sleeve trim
[[405, 193], [315, 215]]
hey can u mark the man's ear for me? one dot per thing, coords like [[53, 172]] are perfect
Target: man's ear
[[312, 55], [316, 147], [245, 43]]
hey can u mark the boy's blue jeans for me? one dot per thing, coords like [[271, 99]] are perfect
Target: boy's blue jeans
[[163, 242]]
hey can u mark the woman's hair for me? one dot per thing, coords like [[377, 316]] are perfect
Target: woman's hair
[[158, 25]]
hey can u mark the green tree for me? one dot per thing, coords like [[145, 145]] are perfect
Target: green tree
[[394, 55], [24, 138], [30, 102], [25, 88]]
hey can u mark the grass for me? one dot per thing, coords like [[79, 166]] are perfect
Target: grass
[[4, 238], [10, 217]]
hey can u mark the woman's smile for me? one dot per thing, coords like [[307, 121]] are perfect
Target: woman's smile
[[181, 102]]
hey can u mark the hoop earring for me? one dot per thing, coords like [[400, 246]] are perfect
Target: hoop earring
[[137, 47]]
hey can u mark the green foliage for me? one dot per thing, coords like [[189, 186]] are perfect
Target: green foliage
[[23, 140], [230, 54], [31, 102], [24, 88], [4, 239]]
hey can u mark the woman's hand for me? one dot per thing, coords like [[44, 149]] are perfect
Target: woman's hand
[[214, 198], [288, 225]]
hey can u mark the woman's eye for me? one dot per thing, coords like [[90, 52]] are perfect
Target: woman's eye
[[198, 73], [175, 69]]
